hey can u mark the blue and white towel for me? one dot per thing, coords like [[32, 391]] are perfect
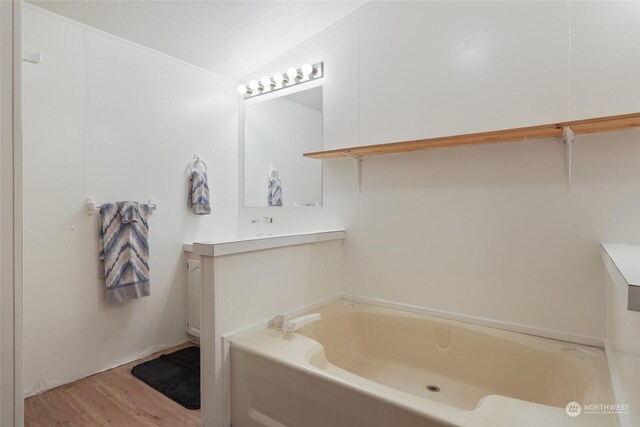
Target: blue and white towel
[[275, 188], [124, 250], [198, 198]]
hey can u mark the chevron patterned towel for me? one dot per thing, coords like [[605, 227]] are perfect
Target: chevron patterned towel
[[199, 193], [274, 195], [124, 250]]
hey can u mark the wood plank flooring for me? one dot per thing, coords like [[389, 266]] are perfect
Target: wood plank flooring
[[110, 398]]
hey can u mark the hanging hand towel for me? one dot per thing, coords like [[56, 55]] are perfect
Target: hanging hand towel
[[199, 193], [275, 188], [124, 250]]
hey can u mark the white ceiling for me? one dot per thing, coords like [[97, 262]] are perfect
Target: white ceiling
[[232, 38]]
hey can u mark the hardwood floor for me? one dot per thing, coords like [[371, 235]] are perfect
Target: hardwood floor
[[110, 398]]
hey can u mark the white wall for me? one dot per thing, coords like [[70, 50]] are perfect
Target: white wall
[[254, 286], [491, 231], [111, 120], [277, 132]]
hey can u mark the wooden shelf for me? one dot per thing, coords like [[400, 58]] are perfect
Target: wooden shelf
[[599, 124]]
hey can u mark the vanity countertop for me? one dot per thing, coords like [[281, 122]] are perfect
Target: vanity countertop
[[256, 243], [626, 258]]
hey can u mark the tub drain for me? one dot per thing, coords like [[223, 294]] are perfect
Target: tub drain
[[433, 388]]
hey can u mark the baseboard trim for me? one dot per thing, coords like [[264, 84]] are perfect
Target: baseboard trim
[[41, 388]]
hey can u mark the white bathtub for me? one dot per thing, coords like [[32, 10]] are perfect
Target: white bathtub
[[364, 365]]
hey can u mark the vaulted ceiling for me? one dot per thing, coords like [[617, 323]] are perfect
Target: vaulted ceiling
[[232, 38]]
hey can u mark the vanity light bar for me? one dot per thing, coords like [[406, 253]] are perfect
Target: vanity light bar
[[292, 77]]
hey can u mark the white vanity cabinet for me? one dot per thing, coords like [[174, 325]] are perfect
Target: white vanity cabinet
[[194, 297]]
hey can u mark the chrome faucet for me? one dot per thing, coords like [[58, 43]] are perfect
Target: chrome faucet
[[291, 326]]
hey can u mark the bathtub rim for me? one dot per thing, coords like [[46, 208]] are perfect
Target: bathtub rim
[[458, 319]]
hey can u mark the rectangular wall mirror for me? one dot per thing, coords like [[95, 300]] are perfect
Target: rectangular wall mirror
[[277, 131]]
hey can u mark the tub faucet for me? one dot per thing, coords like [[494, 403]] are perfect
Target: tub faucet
[[291, 326]]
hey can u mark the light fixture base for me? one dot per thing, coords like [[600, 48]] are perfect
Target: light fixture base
[[301, 77]]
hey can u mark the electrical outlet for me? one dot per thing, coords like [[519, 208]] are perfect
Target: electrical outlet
[[267, 220]]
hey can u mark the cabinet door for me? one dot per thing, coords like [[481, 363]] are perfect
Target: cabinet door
[[194, 297]]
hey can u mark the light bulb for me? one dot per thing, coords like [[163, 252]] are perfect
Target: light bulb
[[307, 70], [266, 83], [292, 73], [242, 89], [278, 78], [254, 85]]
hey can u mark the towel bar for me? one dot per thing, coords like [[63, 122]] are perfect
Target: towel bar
[[93, 207]]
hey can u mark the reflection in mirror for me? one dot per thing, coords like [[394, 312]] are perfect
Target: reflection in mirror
[[277, 132]]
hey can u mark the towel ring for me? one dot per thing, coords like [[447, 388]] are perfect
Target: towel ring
[[194, 163]]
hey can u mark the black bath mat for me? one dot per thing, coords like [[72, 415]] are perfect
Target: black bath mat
[[176, 375]]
